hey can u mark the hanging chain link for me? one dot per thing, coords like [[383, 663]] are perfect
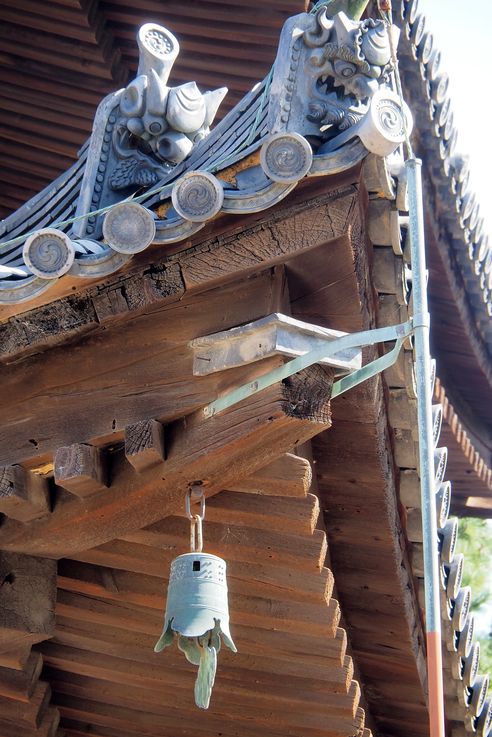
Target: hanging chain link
[[195, 494], [196, 534]]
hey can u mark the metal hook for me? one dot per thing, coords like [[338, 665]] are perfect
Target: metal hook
[[195, 494], [196, 534]]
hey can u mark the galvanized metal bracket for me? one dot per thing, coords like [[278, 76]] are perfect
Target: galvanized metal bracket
[[368, 371], [322, 353]]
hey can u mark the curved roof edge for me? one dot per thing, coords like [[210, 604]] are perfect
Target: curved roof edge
[[425, 87], [467, 707]]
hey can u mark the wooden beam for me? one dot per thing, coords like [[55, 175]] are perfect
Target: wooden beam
[[270, 648], [289, 475], [273, 513], [282, 644], [321, 618], [24, 496], [20, 684], [92, 392], [234, 541], [48, 726], [81, 469], [156, 677], [15, 656], [262, 667], [216, 451], [230, 250], [121, 712], [232, 707], [27, 714], [144, 444], [27, 599], [117, 563]]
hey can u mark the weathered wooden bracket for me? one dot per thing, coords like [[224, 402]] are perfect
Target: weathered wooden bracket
[[218, 451], [289, 475], [81, 469], [24, 496], [274, 335], [144, 444], [27, 617]]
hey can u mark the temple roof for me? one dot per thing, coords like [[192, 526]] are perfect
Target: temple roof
[[366, 467]]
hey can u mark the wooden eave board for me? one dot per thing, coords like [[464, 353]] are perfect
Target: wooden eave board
[[458, 299], [469, 475], [174, 268], [450, 346]]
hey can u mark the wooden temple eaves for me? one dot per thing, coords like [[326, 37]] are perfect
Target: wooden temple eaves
[[105, 433], [248, 541]]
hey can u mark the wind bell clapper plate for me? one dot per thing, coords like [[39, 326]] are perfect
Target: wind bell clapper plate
[[197, 609]]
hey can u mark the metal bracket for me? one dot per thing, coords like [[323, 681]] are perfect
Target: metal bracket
[[368, 371], [355, 340]]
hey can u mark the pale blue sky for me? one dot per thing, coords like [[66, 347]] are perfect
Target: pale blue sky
[[462, 32]]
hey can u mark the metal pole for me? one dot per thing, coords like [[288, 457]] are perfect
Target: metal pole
[[426, 450]]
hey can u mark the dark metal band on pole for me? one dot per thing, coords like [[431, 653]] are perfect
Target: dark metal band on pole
[[426, 449]]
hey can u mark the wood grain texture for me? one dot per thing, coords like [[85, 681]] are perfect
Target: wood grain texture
[[144, 560], [288, 475], [30, 714], [47, 727], [130, 373], [144, 444], [27, 599], [19, 684], [81, 469], [216, 451], [24, 496]]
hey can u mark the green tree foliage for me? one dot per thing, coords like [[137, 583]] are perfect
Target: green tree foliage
[[475, 542]]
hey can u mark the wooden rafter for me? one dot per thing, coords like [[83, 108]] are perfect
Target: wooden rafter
[[102, 668], [468, 467], [215, 451]]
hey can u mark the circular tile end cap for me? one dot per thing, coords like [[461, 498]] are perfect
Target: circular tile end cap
[[382, 129], [49, 253], [129, 228], [286, 157], [198, 196]]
